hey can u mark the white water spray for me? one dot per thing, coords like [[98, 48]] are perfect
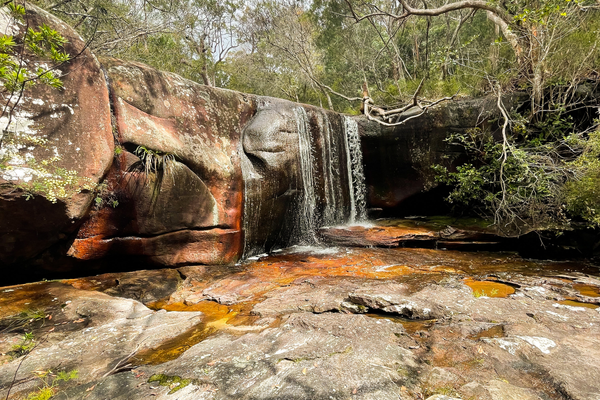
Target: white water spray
[[308, 205], [356, 175]]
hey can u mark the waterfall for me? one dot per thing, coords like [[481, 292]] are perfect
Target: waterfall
[[356, 175], [334, 185], [302, 170], [307, 223]]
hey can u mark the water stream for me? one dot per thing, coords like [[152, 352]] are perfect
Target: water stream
[[307, 223], [356, 175], [302, 170]]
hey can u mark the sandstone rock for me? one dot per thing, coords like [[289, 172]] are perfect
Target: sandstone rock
[[75, 122], [296, 174], [365, 236], [145, 286], [197, 217], [521, 346], [281, 363], [95, 334], [475, 390], [500, 390], [439, 377]]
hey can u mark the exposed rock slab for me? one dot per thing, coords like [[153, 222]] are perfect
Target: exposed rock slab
[[93, 333], [308, 325], [413, 233], [282, 363]]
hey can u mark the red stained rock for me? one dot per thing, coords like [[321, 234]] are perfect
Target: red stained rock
[[379, 236], [197, 217], [215, 246]]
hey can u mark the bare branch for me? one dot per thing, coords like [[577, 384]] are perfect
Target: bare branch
[[459, 5]]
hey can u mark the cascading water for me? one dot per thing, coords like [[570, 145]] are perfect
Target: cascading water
[[302, 170], [356, 175], [333, 181], [306, 218]]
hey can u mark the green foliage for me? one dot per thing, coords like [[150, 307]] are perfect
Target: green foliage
[[50, 382], [54, 182], [174, 383], [22, 320], [550, 175], [26, 59], [25, 345], [582, 194], [41, 394], [105, 195], [154, 165], [44, 43]]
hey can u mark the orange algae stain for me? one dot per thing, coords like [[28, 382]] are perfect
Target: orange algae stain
[[495, 331], [587, 290], [173, 348], [488, 289], [575, 303], [411, 326], [216, 317], [30, 296], [284, 269]]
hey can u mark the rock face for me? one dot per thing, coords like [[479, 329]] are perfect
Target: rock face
[[296, 173], [199, 175], [398, 159], [75, 124], [197, 215]]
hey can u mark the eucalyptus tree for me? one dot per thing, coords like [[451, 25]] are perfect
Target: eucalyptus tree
[[190, 37], [543, 170], [534, 29]]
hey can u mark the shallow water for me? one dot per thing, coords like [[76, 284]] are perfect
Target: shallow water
[[250, 282]]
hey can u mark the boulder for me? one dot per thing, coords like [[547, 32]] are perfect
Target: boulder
[[194, 131], [74, 122], [90, 332]]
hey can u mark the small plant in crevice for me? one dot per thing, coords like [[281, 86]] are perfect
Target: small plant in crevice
[[50, 382], [25, 345], [105, 196], [21, 320], [173, 382], [155, 165]]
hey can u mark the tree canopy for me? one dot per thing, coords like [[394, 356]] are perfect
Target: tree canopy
[[381, 57]]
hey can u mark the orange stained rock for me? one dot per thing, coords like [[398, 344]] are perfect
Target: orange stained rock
[[489, 289], [495, 331], [411, 326], [587, 290], [575, 303], [19, 298], [262, 276], [216, 317]]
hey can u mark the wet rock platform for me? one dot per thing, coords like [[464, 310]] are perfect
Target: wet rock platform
[[340, 322]]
